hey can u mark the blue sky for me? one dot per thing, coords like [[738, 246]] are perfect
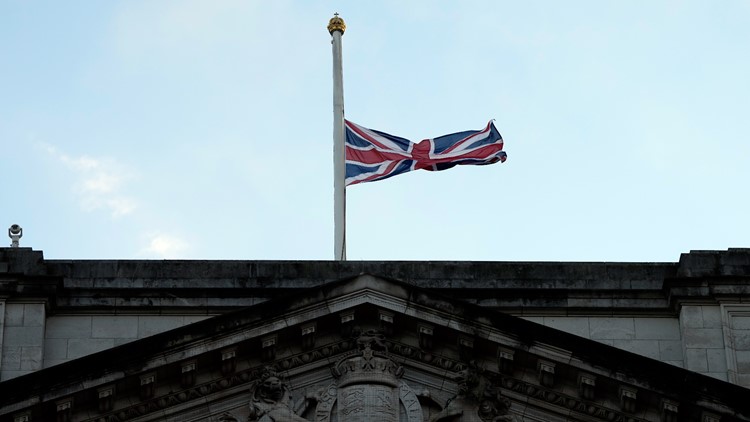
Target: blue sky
[[202, 129]]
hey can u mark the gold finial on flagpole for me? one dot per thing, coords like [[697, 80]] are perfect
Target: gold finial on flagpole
[[336, 24]]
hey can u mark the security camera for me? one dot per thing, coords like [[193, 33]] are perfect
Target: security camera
[[15, 232]]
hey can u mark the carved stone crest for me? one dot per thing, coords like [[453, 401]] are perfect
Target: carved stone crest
[[368, 387]]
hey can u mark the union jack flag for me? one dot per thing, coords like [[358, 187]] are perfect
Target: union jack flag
[[373, 155]]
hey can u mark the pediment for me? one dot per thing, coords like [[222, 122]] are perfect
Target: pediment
[[367, 348]]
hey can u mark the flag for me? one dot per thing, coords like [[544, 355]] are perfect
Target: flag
[[373, 155]]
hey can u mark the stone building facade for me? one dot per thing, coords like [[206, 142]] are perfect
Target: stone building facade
[[392, 341]]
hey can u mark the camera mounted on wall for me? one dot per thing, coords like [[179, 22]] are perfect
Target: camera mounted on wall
[[15, 232]]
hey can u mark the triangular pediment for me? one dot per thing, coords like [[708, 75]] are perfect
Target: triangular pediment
[[349, 343]]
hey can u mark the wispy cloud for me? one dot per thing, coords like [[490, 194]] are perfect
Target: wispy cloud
[[99, 182], [165, 246]]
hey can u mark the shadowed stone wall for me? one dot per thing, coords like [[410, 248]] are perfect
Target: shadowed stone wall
[[692, 314]]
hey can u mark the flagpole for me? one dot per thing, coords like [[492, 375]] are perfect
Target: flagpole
[[336, 28]]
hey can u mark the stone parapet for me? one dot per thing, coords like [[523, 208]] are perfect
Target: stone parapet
[[732, 262], [565, 288], [222, 285]]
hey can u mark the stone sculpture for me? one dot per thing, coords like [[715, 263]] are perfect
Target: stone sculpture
[[271, 400], [477, 400]]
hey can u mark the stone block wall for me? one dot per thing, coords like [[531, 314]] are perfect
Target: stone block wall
[[22, 338], [703, 340], [736, 328], [31, 341], [72, 336], [710, 339], [656, 338]]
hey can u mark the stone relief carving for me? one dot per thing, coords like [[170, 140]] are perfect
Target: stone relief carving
[[271, 399], [477, 400], [373, 340], [433, 404], [368, 387]]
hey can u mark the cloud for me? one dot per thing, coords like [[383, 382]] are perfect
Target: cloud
[[120, 206], [99, 182], [99, 185], [165, 246]]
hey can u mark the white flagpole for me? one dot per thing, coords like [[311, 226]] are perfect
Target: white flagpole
[[336, 28]]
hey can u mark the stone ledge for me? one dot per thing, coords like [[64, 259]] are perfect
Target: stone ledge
[[706, 290], [699, 277]]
